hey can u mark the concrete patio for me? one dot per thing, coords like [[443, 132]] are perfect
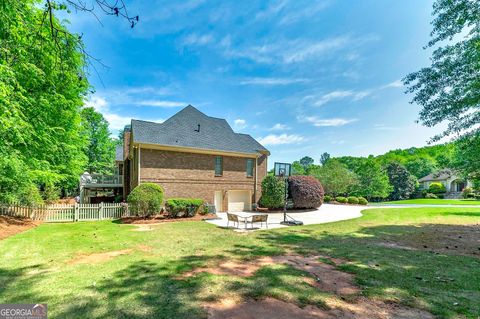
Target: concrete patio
[[327, 213]]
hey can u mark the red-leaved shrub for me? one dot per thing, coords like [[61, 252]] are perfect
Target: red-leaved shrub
[[305, 191]]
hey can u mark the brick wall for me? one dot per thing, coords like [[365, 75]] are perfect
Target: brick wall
[[193, 175]]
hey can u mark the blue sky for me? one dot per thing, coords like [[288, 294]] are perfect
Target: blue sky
[[303, 77]]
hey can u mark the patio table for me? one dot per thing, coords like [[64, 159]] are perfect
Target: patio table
[[246, 215]]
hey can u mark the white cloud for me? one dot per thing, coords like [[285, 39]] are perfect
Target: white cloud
[[319, 122], [271, 81], [161, 103], [240, 123], [273, 139], [306, 51], [394, 84], [197, 39], [340, 94], [279, 127], [271, 10], [383, 127], [288, 51], [116, 121], [304, 12]]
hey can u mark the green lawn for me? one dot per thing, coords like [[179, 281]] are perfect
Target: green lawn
[[427, 201], [144, 283]]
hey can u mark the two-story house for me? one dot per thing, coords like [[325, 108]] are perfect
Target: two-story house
[[197, 156]]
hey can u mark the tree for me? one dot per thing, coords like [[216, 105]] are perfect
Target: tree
[[449, 89], [324, 158], [306, 162], [100, 149], [402, 181], [297, 168], [373, 182], [335, 177], [466, 156], [273, 192], [421, 166], [42, 88]]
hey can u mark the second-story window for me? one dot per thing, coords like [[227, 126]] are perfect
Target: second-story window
[[218, 166], [249, 167]]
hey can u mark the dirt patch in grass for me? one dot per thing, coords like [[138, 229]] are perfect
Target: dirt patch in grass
[[461, 240], [322, 275], [268, 308], [158, 219], [10, 226], [98, 257]]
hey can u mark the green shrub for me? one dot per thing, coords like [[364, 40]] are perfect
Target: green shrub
[[327, 198], [183, 207], [436, 188], [145, 199], [352, 200], [468, 192], [273, 192], [341, 199], [431, 196], [305, 191], [362, 201]]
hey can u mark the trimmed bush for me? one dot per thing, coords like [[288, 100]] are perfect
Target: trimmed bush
[[327, 199], [431, 196], [468, 192], [273, 192], [305, 191], [352, 200], [145, 199], [341, 199], [183, 207], [362, 201], [436, 188]]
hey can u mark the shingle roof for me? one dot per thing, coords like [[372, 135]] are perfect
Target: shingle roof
[[182, 130], [119, 153], [437, 176]]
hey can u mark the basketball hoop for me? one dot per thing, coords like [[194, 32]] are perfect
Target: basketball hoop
[[283, 170]]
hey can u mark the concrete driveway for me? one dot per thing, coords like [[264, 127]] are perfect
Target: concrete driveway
[[327, 213]]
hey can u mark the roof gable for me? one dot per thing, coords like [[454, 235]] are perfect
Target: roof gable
[[193, 129], [438, 175]]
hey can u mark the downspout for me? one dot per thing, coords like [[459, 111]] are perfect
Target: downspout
[[138, 166], [255, 179]]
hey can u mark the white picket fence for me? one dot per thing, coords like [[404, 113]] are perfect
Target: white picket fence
[[66, 212]]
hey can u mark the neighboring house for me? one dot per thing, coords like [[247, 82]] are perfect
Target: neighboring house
[[453, 183], [197, 156]]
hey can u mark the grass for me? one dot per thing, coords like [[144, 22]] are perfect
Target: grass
[[434, 201], [35, 265]]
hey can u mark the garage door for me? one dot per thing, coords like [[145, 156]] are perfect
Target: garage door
[[239, 201]]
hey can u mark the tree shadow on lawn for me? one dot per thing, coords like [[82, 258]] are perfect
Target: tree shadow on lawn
[[22, 280], [391, 262], [440, 282], [143, 289]]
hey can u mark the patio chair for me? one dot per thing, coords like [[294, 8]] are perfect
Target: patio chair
[[232, 218], [259, 219]]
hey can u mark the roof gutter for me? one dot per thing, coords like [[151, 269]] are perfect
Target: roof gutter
[[199, 150]]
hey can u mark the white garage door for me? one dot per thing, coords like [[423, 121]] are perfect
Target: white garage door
[[239, 201]]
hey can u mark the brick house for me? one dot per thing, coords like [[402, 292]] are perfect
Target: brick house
[[197, 156]]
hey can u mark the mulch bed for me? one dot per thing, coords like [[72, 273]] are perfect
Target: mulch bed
[[10, 226], [164, 219]]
